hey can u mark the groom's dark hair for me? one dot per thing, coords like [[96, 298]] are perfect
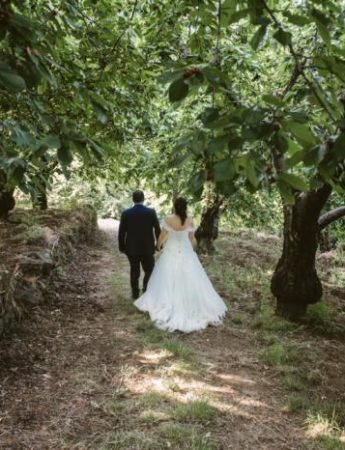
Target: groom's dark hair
[[138, 196]]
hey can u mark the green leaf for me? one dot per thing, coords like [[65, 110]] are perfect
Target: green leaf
[[101, 114], [22, 138], [178, 90], [280, 141], [209, 115], [339, 147], [51, 141], [334, 65], [221, 122], [260, 20], [215, 76], [324, 33], [21, 23], [224, 170], [299, 116], [285, 192], [235, 142], [168, 77], [258, 37], [314, 156], [293, 147], [197, 181], [237, 16], [15, 162], [251, 173], [10, 80], [294, 181], [96, 149], [217, 144], [302, 133], [295, 159], [272, 100], [283, 37], [18, 174], [198, 143], [320, 17], [296, 19], [228, 9], [64, 155]]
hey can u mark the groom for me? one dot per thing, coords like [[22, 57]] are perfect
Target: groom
[[138, 229]]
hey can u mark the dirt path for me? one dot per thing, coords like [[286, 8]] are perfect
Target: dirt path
[[91, 372]]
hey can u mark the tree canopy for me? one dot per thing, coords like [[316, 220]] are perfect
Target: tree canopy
[[252, 84]]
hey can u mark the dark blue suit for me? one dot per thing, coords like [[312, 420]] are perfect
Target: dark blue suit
[[136, 239]]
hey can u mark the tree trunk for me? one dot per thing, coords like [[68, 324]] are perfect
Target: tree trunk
[[39, 198], [7, 201], [326, 240], [295, 282], [207, 231]]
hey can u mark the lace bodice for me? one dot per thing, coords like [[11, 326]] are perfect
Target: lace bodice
[[167, 227], [178, 240]]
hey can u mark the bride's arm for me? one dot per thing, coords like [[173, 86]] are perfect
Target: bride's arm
[[191, 234], [192, 239], [162, 238]]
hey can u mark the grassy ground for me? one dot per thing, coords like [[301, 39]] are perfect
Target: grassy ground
[[94, 373]]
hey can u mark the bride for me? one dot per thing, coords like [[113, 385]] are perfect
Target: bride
[[179, 295]]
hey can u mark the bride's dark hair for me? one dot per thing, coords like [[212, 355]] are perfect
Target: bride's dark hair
[[180, 207]]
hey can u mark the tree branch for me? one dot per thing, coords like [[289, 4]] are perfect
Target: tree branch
[[299, 64], [116, 43], [293, 79], [330, 217], [319, 99]]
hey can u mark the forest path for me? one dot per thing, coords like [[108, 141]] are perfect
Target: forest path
[[91, 372]]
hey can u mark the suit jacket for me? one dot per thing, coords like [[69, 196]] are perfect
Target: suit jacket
[[137, 226]]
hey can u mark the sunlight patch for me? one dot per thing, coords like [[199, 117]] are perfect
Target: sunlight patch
[[153, 357], [236, 379]]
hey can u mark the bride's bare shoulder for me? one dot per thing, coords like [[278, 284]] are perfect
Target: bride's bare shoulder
[[190, 221], [169, 219]]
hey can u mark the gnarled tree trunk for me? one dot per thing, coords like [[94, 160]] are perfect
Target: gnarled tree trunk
[[295, 282], [207, 231], [40, 199], [7, 201]]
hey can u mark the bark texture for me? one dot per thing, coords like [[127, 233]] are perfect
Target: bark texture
[[7, 201], [208, 229], [207, 232], [40, 199], [295, 282]]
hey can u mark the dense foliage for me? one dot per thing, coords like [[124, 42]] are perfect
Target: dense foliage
[[218, 96], [263, 79]]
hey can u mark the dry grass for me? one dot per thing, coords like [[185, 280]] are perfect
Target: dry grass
[[91, 372]]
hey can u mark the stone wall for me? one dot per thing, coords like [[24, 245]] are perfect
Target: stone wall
[[31, 247]]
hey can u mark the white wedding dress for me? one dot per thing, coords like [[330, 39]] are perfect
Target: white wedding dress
[[179, 295]]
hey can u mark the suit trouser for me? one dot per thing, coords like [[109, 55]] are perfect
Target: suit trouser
[[147, 262]]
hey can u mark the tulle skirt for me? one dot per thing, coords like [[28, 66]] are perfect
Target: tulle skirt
[[179, 294]]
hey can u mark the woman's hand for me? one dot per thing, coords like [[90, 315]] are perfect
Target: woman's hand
[[162, 238]]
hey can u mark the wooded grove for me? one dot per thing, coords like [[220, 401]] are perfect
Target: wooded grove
[[256, 102]]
